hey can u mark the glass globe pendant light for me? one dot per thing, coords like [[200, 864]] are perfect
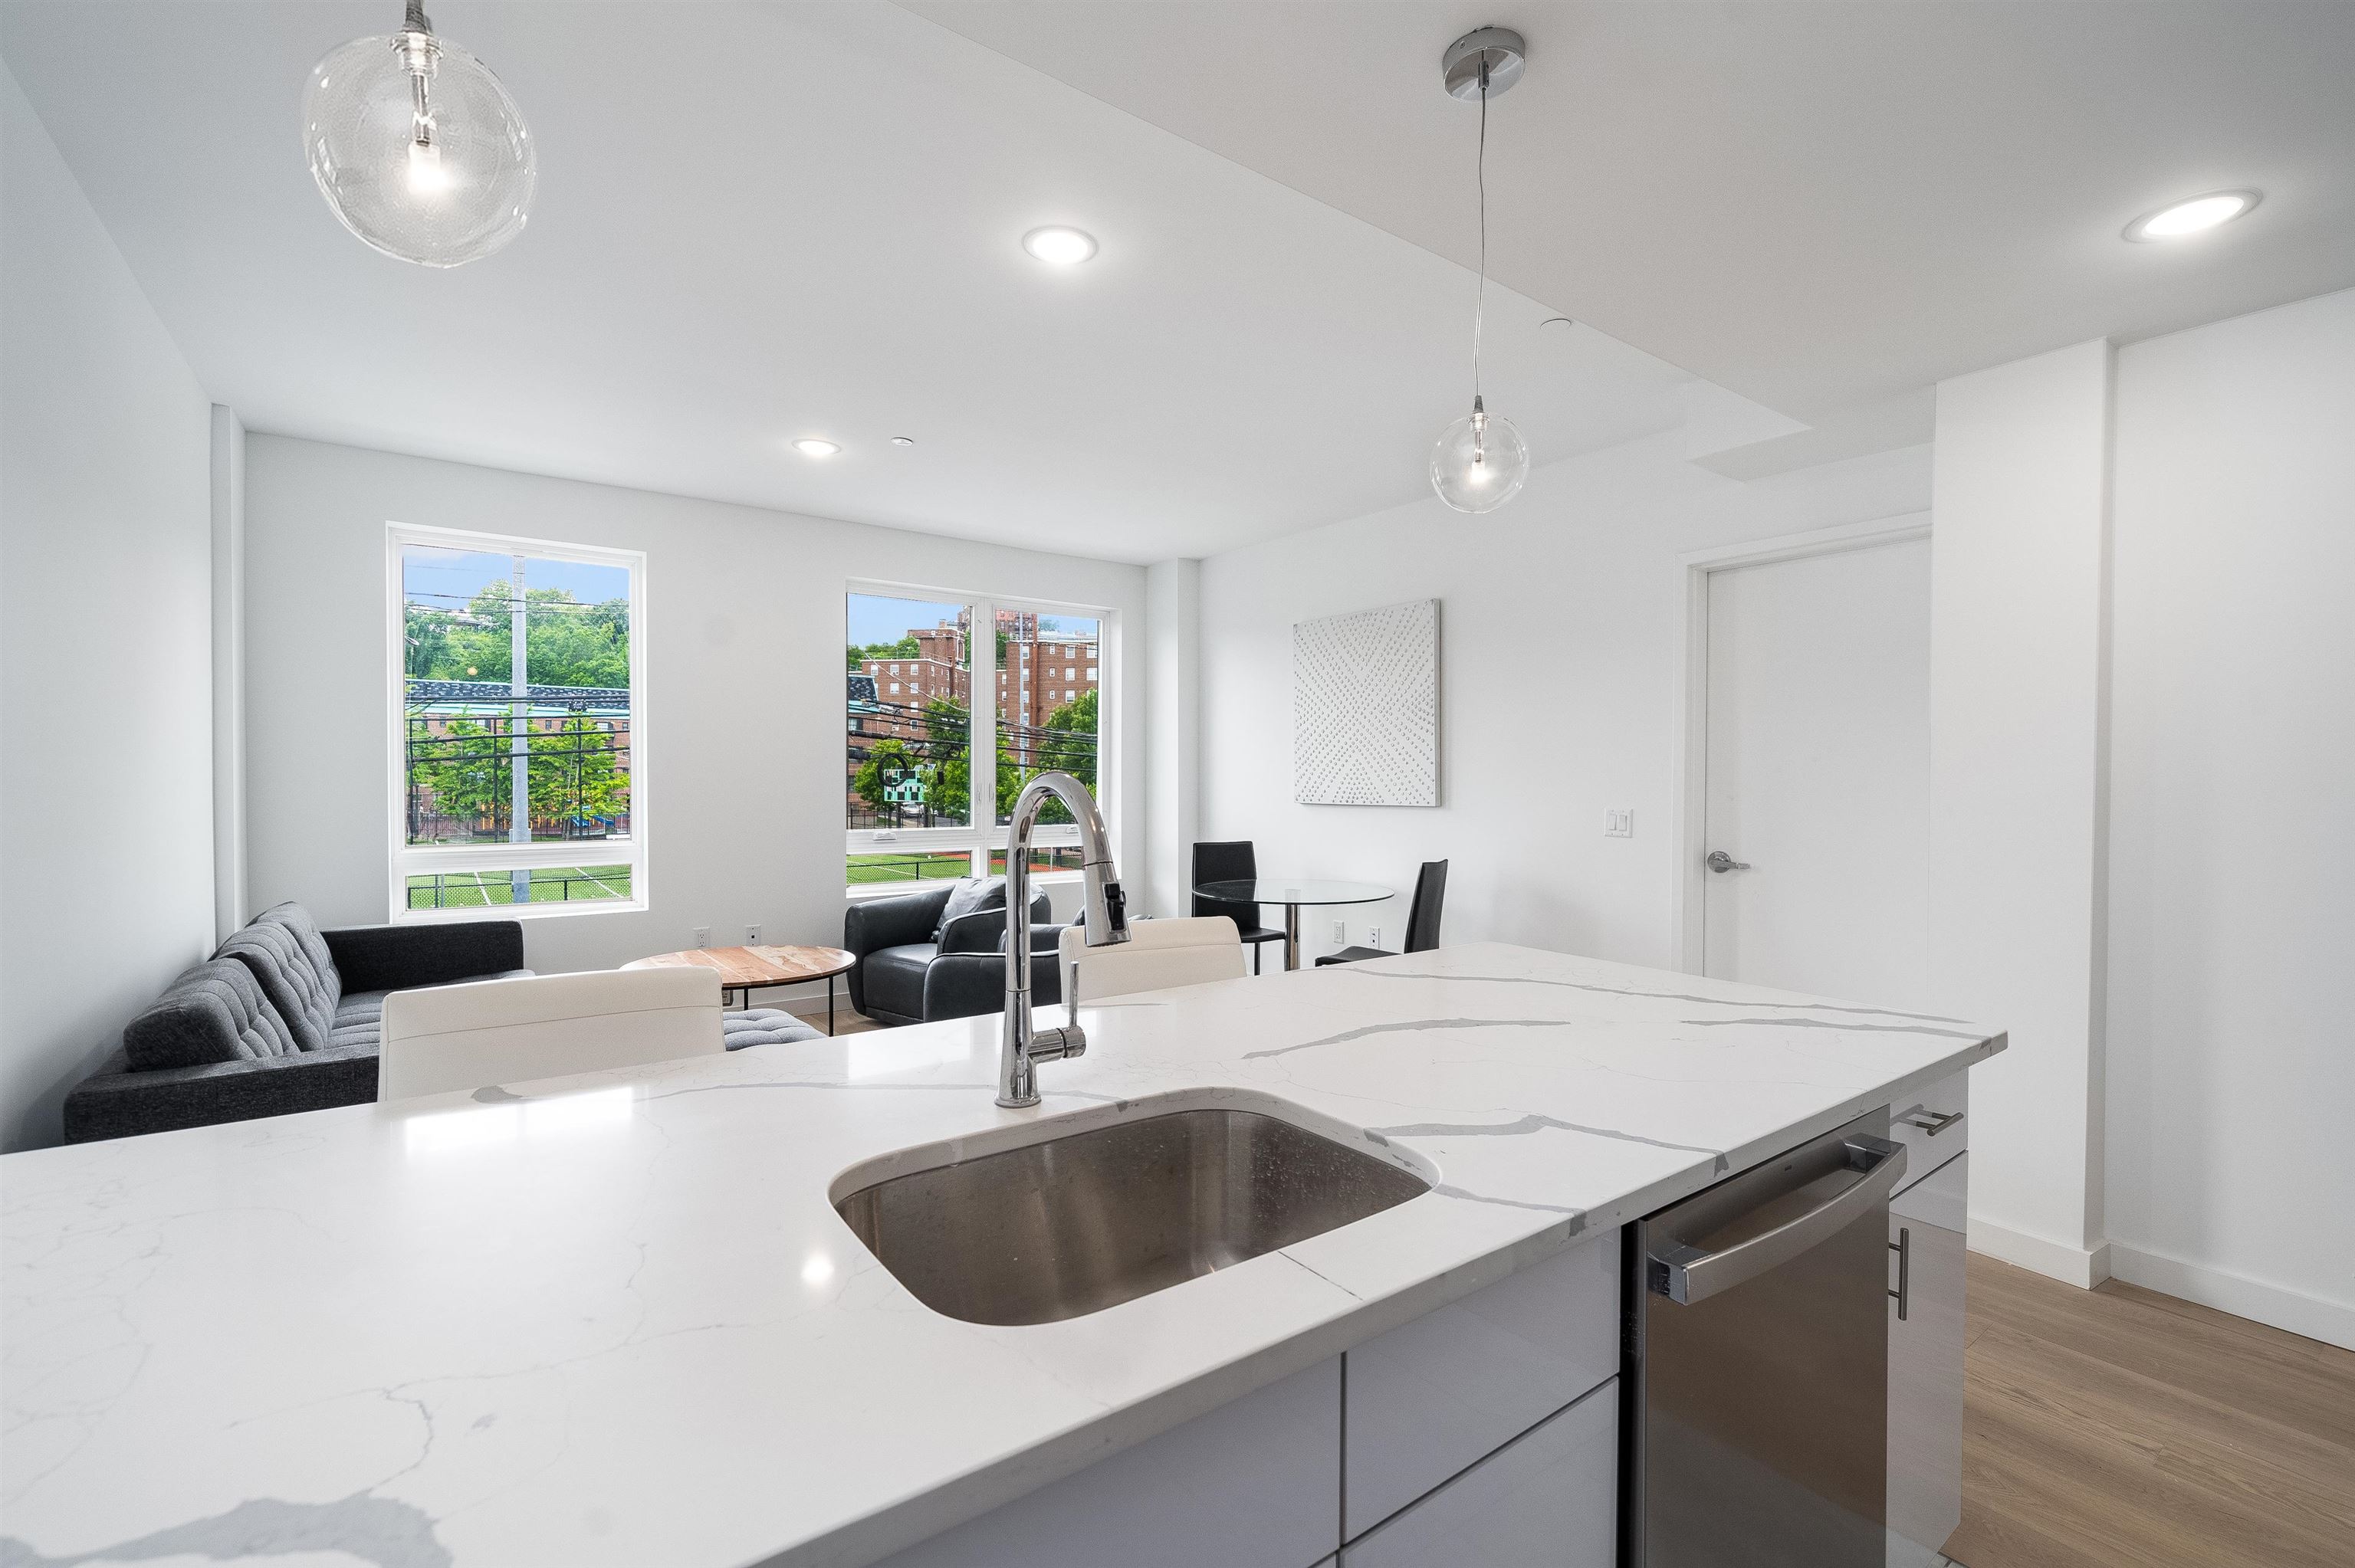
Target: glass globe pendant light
[[1480, 462], [417, 147]]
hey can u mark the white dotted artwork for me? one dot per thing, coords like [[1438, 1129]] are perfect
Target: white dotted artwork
[[1365, 707]]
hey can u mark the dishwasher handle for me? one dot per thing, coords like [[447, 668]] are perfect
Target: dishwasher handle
[[1686, 1275]]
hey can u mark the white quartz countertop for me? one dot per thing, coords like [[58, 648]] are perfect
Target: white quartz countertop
[[613, 1319]]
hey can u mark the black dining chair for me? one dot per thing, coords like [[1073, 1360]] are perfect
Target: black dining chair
[[1422, 920], [1231, 860]]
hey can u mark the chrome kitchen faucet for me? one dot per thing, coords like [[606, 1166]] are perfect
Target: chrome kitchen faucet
[[1022, 1047]]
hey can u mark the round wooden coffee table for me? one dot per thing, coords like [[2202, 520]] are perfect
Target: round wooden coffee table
[[747, 970]]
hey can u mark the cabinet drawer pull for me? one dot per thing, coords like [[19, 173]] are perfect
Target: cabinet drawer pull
[[1903, 1248], [1931, 1122]]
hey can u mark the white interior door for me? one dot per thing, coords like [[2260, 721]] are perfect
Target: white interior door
[[1818, 774]]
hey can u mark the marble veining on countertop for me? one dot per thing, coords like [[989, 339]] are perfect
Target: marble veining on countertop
[[613, 1319]]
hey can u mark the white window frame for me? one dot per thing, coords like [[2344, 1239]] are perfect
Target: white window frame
[[405, 860], [989, 836]]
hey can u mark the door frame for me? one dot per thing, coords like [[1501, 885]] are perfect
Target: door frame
[[1689, 771]]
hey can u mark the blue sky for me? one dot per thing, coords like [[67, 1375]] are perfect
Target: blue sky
[[447, 579], [876, 618]]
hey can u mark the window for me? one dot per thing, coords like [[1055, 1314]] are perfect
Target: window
[[911, 797], [520, 770], [1048, 728]]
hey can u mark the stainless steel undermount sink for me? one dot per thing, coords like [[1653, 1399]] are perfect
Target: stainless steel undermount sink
[[1070, 1225]]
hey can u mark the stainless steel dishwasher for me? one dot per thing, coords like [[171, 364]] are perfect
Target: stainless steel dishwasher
[[1755, 1392]]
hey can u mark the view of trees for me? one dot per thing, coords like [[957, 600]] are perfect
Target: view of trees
[[906, 648], [464, 768], [567, 643], [459, 763], [1070, 742], [942, 761]]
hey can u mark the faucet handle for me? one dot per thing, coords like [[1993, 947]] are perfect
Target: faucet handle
[[1056, 1045], [1114, 901]]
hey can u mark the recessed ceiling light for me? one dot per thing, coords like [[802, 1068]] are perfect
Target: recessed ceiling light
[[903, 441], [2177, 220], [1060, 247], [810, 446]]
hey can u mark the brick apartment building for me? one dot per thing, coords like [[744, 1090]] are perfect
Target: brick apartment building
[[1040, 670]]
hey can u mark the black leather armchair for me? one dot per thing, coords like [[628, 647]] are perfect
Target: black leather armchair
[[920, 961]]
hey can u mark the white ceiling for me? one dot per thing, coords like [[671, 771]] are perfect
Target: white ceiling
[[1819, 205], [762, 221], [759, 222]]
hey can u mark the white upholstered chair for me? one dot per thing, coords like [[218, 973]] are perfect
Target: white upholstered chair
[[1157, 953], [504, 1031]]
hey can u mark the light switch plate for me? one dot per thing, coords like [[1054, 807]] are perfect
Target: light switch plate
[[1618, 824]]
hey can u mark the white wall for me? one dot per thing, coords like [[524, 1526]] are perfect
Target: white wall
[[2231, 1042], [1559, 670], [2017, 569], [231, 909], [106, 836], [743, 627], [1173, 735]]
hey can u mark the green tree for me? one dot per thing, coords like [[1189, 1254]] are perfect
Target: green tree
[[1065, 743], [890, 762], [906, 648], [566, 642], [463, 766], [1070, 742], [576, 771]]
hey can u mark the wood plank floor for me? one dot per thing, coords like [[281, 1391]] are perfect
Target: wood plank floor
[[2121, 1426]]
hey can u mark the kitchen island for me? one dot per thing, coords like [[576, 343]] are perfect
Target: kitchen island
[[615, 1318]]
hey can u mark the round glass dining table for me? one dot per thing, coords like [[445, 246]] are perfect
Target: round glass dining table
[[1294, 893]]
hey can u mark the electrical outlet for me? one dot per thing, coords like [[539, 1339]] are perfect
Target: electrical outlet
[[703, 936], [1619, 825], [1340, 930], [751, 935], [1373, 936]]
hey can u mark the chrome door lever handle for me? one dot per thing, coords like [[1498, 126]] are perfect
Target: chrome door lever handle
[[1719, 860]]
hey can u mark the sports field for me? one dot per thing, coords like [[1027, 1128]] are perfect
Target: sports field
[[549, 885], [944, 865], [908, 867]]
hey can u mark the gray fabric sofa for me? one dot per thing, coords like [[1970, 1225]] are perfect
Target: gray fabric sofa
[[940, 953], [285, 1017]]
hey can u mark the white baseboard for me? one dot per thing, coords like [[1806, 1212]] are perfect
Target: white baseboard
[[2330, 1321], [2056, 1260]]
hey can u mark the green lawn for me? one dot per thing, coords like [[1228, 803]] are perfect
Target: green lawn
[[908, 866], [549, 885], [943, 865]]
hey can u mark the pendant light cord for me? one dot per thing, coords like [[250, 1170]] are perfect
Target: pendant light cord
[[1480, 178]]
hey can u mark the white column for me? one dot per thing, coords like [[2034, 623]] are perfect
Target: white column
[[1173, 716], [981, 656], [519, 731], [2018, 677], [229, 671]]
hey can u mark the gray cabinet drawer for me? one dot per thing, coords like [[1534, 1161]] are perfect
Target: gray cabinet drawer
[[1251, 1485], [1932, 1125], [1550, 1497], [1432, 1397]]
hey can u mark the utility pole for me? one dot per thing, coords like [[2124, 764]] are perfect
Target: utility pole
[[518, 733]]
